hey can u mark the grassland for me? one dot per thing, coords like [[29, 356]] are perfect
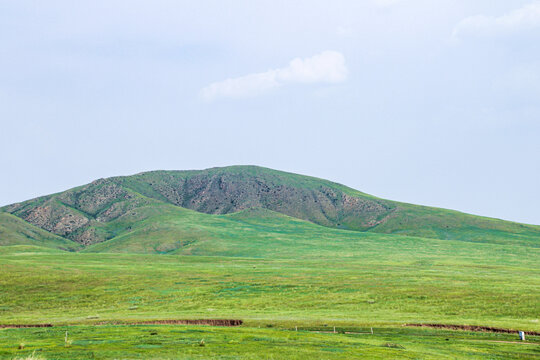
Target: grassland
[[141, 257], [381, 284], [183, 342]]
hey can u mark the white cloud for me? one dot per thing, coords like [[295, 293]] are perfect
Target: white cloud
[[524, 18], [326, 67]]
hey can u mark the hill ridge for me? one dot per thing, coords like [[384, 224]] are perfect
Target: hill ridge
[[109, 207]]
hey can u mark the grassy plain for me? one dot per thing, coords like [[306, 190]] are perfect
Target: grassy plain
[[184, 342], [379, 282], [275, 273]]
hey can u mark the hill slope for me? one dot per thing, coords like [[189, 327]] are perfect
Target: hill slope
[[255, 233], [15, 231], [123, 211]]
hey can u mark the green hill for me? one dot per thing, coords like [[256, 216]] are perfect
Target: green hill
[[15, 231], [293, 257], [254, 233], [186, 211]]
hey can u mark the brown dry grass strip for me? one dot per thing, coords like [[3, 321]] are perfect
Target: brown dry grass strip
[[473, 328], [211, 322], [6, 326]]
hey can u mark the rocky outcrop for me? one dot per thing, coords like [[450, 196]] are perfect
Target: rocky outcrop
[[55, 218], [215, 192], [94, 197]]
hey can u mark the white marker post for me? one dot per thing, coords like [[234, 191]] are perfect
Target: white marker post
[[522, 335]]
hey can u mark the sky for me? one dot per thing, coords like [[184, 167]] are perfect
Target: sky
[[427, 102]]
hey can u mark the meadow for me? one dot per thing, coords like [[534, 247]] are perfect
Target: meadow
[[301, 290], [204, 342], [413, 280]]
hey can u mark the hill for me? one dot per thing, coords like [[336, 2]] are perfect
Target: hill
[[15, 231], [308, 265], [164, 211]]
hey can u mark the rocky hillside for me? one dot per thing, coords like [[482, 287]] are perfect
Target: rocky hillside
[[107, 208], [231, 189]]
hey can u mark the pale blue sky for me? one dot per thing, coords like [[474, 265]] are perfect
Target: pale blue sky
[[429, 102]]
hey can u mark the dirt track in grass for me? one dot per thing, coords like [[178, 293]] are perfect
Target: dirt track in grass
[[476, 328], [211, 322], [5, 326], [237, 322]]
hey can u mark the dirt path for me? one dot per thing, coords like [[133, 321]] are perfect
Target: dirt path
[[211, 322], [237, 322], [473, 328], [6, 326], [507, 342]]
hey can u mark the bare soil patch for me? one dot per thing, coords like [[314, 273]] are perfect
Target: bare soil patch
[[473, 328], [5, 326], [211, 322]]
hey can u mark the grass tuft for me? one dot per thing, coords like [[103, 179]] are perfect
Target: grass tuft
[[32, 356]]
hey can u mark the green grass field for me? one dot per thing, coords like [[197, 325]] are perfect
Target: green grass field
[[382, 283], [140, 257], [184, 342]]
